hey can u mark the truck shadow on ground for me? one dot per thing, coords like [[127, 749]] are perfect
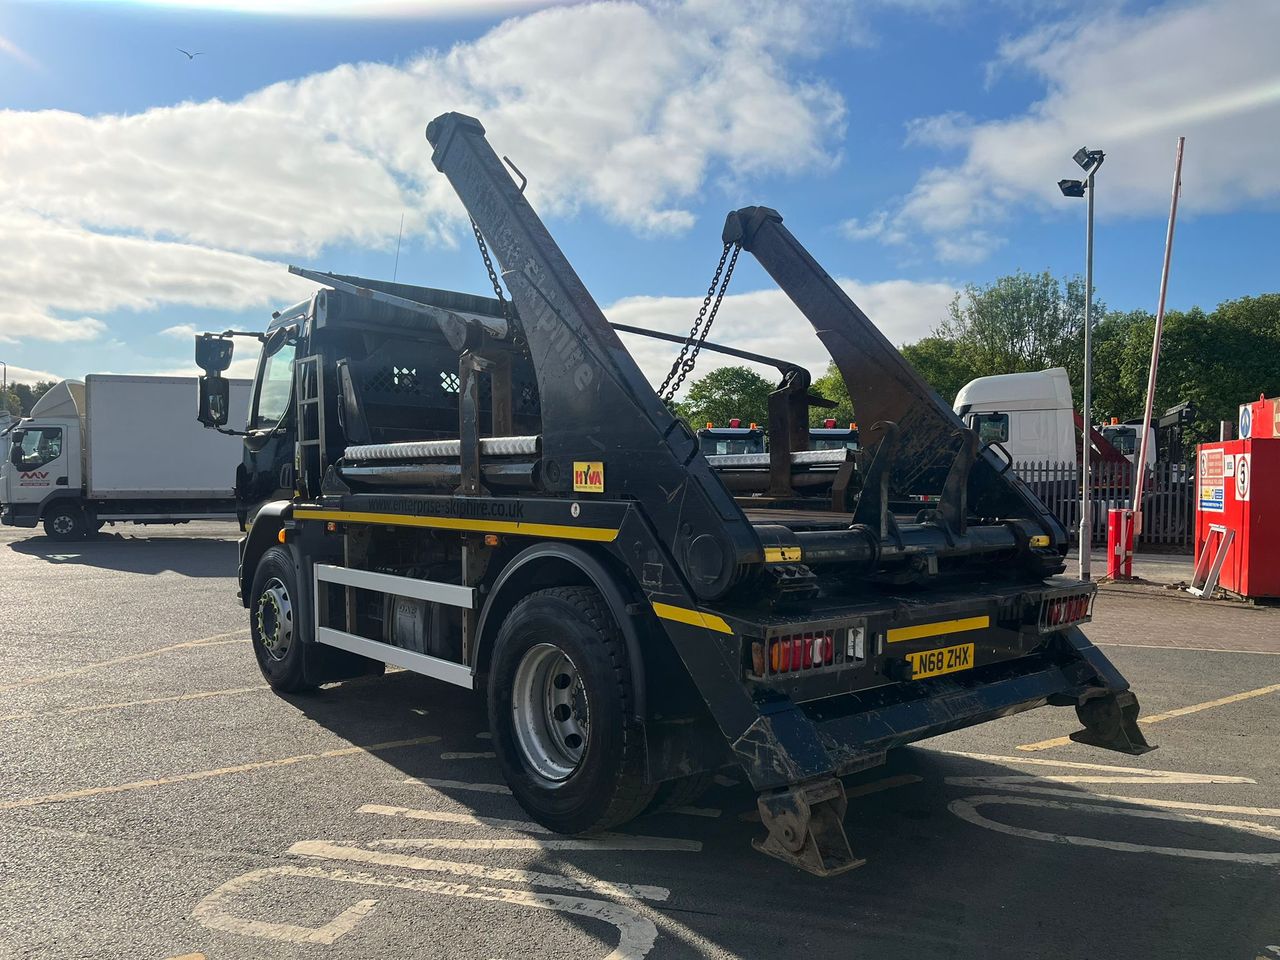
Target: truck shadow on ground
[[131, 553], [967, 855]]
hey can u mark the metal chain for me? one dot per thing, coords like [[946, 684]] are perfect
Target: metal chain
[[685, 361], [488, 265]]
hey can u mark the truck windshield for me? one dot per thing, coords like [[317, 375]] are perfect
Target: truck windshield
[[37, 446], [275, 386], [1124, 439]]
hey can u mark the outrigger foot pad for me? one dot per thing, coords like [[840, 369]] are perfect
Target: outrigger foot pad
[[1111, 722], [806, 828]]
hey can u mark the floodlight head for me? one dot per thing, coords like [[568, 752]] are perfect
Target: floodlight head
[[1071, 188], [1082, 157]]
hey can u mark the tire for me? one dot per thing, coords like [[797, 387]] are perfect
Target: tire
[[273, 624], [679, 792], [65, 521], [559, 671]]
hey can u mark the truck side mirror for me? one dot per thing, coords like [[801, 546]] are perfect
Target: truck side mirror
[[213, 353], [215, 400]]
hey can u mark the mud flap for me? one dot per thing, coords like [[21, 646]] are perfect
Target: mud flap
[[1111, 722], [806, 827]]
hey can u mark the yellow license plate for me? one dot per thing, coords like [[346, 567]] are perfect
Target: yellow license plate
[[933, 663]]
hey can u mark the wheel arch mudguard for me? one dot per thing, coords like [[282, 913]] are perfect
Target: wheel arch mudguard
[[562, 564], [263, 534], [58, 496]]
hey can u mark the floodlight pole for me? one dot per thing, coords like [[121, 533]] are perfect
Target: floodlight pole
[[1141, 472], [1086, 485]]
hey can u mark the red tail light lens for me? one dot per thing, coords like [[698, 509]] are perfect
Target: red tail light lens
[[801, 651]]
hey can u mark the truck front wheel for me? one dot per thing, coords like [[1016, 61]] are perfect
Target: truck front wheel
[[560, 711], [65, 521], [273, 623]]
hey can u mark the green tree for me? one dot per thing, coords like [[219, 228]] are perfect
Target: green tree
[[10, 403], [28, 394], [725, 393], [832, 386], [1016, 324], [938, 361]]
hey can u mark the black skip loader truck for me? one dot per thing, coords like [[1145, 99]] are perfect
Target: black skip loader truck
[[488, 491]]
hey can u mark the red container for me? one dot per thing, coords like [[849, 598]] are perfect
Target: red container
[[1238, 487], [1120, 543]]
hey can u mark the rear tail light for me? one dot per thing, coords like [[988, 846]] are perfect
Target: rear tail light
[[794, 653], [1056, 612]]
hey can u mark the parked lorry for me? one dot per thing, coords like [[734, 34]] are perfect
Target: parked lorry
[[1030, 414], [490, 493], [118, 449]]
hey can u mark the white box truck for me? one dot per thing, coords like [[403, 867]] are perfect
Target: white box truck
[[1030, 414], [119, 449]]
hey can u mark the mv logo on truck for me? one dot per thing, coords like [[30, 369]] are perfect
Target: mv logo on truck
[[33, 478]]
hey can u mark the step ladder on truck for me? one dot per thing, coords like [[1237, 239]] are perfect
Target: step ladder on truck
[[503, 502]]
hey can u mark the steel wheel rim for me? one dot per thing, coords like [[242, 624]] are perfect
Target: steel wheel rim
[[549, 707], [275, 619], [63, 523]]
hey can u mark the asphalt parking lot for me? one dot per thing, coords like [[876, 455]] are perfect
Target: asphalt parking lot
[[158, 801]]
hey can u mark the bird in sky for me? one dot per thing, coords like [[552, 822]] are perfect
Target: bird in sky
[[190, 56]]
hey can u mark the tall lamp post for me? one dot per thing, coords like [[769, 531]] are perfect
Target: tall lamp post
[[1090, 161]]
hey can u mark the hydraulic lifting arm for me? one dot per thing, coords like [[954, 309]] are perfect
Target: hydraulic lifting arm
[[596, 403], [933, 453]]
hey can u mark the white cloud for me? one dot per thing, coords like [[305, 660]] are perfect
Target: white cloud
[[18, 374], [181, 330], [617, 105], [363, 9], [10, 49], [53, 267], [767, 322], [1128, 84]]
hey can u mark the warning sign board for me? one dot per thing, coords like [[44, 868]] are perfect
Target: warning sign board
[[1211, 482], [1243, 471]]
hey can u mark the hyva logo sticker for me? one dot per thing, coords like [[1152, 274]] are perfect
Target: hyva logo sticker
[[588, 476]]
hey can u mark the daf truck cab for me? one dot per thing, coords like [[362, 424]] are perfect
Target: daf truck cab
[[1029, 414]]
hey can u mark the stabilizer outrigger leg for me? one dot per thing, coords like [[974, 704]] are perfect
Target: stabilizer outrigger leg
[[806, 827], [1111, 722]]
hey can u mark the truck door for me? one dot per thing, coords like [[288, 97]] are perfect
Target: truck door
[[39, 464], [268, 469]]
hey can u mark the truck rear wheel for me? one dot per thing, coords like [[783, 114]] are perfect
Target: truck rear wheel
[[65, 521], [560, 710], [273, 623]]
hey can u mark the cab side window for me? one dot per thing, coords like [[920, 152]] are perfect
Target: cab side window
[[275, 386], [41, 446], [991, 427]]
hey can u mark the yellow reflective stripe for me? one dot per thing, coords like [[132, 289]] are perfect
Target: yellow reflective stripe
[[782, 554], [922, 630], [694, 618], [1040, 540], [515, 527]]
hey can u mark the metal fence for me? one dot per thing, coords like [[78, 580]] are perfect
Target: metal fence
[[1168, 510]]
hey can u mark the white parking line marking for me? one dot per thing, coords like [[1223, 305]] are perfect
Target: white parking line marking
[[209, 774], [128, 658], [888, 783], [708, 812], [99, 707], [1121, 798], [1167, 715], [1161, 646], [1077, 765], [322, 849], [602, 841], [636, 934], [463, 755], [460, 784], [445, 816], [966, 809]]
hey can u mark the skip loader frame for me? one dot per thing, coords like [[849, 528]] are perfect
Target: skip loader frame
[[489, 492]]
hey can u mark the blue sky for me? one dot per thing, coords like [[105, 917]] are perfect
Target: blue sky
[[912, 145]]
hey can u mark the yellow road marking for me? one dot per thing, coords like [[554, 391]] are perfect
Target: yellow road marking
[[85, 668], [1167, 715], [694, 618], [95, 708], [1164, 646], [515, 527], [922, 630], [189, 956], [209, 774]]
